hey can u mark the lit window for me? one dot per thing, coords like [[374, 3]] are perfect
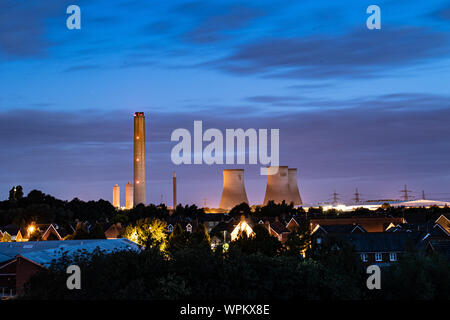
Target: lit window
[[378, 257], [137, 159], [319, 240], [364, 257], [189, 228], [137, 182], [137, 138], [393, 256]]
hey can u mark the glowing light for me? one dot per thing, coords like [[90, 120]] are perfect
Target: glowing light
[[241, 227], [134, 236], [31, 229]]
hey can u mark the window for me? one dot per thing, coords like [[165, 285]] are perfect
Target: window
[[189, 228], [319, 240], [393, 256], [170, 228], [364, 257], [378, 257]]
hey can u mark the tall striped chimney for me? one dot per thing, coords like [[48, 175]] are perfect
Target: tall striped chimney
[[174, 185], [139, 159]]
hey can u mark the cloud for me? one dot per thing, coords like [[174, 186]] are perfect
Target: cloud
[[82, 68], [360, 53], [385, 139], [23, 26], [442, 14], [214, 28]]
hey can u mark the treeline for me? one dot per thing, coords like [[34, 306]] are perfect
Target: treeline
[[39, 207], [254, 268]]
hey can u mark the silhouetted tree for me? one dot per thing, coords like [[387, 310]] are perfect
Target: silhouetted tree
[[97, 232]]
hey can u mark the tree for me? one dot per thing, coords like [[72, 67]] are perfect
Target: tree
[[6, 238], [80, 232], [240, 209], [178, 239], [148, 232], [262, 242], [36, 235], [16, 193], [97, 232], [417, 277], [298, 240], [36, 196], [296, 243], [200, 237]]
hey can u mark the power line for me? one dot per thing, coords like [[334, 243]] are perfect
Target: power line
[[405, 192], [356, 198], [335, 197]]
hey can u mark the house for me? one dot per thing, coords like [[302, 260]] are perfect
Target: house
[[434, 230], [370, 224], [221, 233], [53, 232], [295, 222], [439, 246], [244, 225], [322, 233], [278, 230], [444, 222], [20, 260], [114, 230], [382, 248], [210, 220], [14, 232]]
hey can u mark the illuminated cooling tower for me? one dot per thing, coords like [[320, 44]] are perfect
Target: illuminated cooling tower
[[293, 187], [116, 196], [129, 196], [278, 186], [233, 192]]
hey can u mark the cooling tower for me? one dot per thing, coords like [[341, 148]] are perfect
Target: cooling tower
[[278, 186], [139, 158], [233, 192], [116, 196], [293, 187], [129, 196]]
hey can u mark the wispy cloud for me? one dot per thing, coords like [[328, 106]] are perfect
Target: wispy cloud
[[357, 54]]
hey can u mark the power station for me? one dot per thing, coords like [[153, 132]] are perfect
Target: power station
[[277, 188], [129, 196], [281, 186], [293, 187], [233, 192], [116, 196], [139, 159]]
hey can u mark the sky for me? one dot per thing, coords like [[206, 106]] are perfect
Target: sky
[[356, 108]]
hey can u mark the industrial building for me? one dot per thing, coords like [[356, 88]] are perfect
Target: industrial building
[[233, 192], [129, 196], [139, 159], [283, 186], [116, 196], [293, 187]]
